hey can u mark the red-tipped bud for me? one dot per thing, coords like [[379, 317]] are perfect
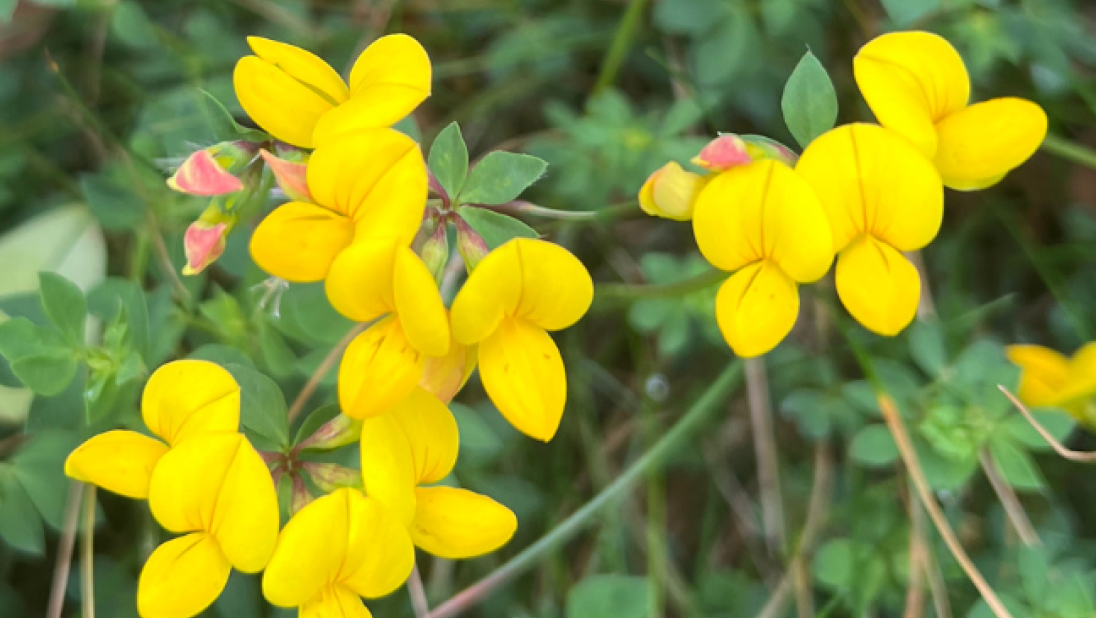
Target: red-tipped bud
[[470, 244], [203, 243], [328, 476], [723, 153], [292, 176], [210, 171]]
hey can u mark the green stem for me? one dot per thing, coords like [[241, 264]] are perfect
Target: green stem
[[629, 26], [87, 555], [684, 429], [1070, 151], [629, 292], [610, 212]]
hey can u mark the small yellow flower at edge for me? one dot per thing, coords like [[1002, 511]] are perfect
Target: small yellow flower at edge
[[298, 98], [518, 292], [762, 221], [1049, 379], [671, 192], [917, 85], [882, 197]]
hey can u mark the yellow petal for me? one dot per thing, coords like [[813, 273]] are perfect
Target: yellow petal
[[523, 374], [872, 181], [763, 210], [389, 80], [376, 177], [303, 66], [219, 484], [1081, 384], [444, 376], [535, 280], [187, 398], [378, 369], [388, 466], [431, 433], [756, 308], [878, 286], [182, 577], [671, 192], [1044, 373], [335, 602], [457, 523], [419, 304], [118, 461], [380, 554], [298, 241], [911, 80], [985, 141]]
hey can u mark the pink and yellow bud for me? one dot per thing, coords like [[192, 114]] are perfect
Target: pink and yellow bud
[[470, 244], [291, 172], [671, 192], [329, 476], [209, 172], [333, 434], [730, 150], [203, 244]]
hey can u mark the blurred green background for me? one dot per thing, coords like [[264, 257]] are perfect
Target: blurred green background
[[99, 99]]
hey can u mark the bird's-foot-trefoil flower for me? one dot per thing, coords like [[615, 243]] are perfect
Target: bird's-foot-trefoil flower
[[518, 292], [205, 239], [730, 150], [917, 85], [671, 192], [213, 171], [334, 551], [764, 223], [290, 169], [882, 197], [413, 446], [1049, 379], [385, 279], [367, 183], [298, 98]]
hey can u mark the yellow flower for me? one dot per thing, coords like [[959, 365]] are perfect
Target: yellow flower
[[882, 197], [182, 399], [206, 482], [416, 444], [298, 98], [376, 278], [763, 221], [369, 183], [337, 549], [518, 292], [1049, 379], [671, 192], [917, 85]]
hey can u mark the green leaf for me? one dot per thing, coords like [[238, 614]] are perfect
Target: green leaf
[[927, 346], [262, 408], [874, 446], [315, 420], [39, 468], [496, 229], [116, 206], [7, 9], [19, 337], [225, 126], [115, 297], [20, 524], [905, 12], [65, 306], [834, 563], [609, 596], [1057, 422], [477, 440], [46, 373], [130, 24], [222, 355], [1017, 468], [810, 101], [500, 177], [279, 357], [687, 16], [449, 159]]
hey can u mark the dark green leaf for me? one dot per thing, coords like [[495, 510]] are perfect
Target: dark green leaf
[[20, 524], [115, 295], [130, 24], [496, 229], [687, 16], [874, 446], [222, 355], [115, 205], [1057, 422], [810, 101], [449, 159], [477, 440], [927, 346], [46, 373], [315, 420], [905, 12], [279, 357], [609, 596], [262, 408], [225, 126], [500, 177], [1017, 468], [65, 305], [39, 468]]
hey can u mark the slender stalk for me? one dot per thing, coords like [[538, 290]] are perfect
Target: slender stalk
[[631, 292], [1070, 151], [64, 550], [919, 554], [87, 555], [768, 470], [684, 429], [325, 366], [418, 593], [1068, 453], [917, 475], [1010, 501], [626, 32], [521, 207], [938, 588]]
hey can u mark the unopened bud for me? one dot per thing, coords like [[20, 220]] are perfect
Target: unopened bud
[[434, 251], [335, 433], [328, 476], [212, 171], [291, 172], [444, 376], [723, 153], [470, 244], [760, 147], [300, 496], [671, 193], [203, 244]]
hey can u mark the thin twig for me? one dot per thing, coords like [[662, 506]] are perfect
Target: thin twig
[[917, 475], [64, 550], [321, 371], [1068, 453], [919, 560], [418, 593], [87, 555], [1010, 501], [768, 471]]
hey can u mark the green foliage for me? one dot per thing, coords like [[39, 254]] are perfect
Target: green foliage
[[500, 177], [449, 159], [494, 228], [599, 596], [809, 101]]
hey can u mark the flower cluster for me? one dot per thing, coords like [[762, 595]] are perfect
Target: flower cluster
[[866, 193], [358, 200], [1049, 379]]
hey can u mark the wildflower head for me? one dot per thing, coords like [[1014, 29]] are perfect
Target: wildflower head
[[882, 197], [1050, 379], [298, 98], [209, 171], [917, 85], [764, 222], [730, 150], [518, 292], [671, 192]]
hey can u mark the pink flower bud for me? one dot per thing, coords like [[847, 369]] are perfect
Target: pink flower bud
[[723, 153], [203, 243], [337, 432], [292, 176], [470, 244], [328, 476], [206, 172]]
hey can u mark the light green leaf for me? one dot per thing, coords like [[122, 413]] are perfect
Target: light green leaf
[[927, 346], [39, 468], [1016, 467], [477, 439], [1057, 422], [262, 408], [225, 126], [609, 596], [116, 206], [65, 306], [496, 229], [500, 177], [7, 9], [130, 24], [20, 524], [810, 101], [874, 446], [20, 337], [46, 373], [905, 12], [449, 159]]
